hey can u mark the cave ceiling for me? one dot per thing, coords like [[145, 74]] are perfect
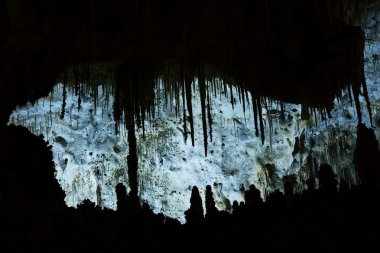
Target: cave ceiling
[[303, 52]]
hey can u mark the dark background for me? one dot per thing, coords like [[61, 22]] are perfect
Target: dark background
[[293, 51]]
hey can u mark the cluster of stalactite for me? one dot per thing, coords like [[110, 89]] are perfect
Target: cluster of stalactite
[[133, 83], [134, 87], [86, 78]]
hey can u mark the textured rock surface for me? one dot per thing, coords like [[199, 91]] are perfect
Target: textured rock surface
[[90, 158]]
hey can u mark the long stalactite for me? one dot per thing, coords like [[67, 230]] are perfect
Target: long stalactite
[[189, 107], [202, 93]]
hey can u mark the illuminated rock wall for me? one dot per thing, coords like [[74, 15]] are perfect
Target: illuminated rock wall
[[90, 158]]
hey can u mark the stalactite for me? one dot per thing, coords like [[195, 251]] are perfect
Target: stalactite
[[189, 107], [170, 90], [95, 87], [268, 107], [177, 99], [202, 93], [325, 116], [132, 159], [350, 94], [220, 88], [143, 122], [315, 117], [76, 79], [243, 100], [356, 93], [304, 112], [232, 97], [260, 112], [237, 90], [255, 114], [82, 74], [166, 88], [359, 77], [282, 111], [366, 97], [247, 98], [214, 86], [63, 101], [209, 116], [178, 87], [117, 111], [183, 96], [224, 88], [137, 115], [79, 96], [184, 110]]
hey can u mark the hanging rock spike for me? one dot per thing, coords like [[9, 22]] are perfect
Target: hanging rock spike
[[190, 107], [182, 82], [209, 116], [202, 92], [260, 112], [255, 114], [63, 102]]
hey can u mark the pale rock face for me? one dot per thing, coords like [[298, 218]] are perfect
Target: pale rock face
[[90, 159], [83, 145]]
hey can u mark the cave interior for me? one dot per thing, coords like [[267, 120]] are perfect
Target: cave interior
[[290, 51]]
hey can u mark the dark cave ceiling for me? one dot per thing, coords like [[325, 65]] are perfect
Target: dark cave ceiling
[[302, 52]]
